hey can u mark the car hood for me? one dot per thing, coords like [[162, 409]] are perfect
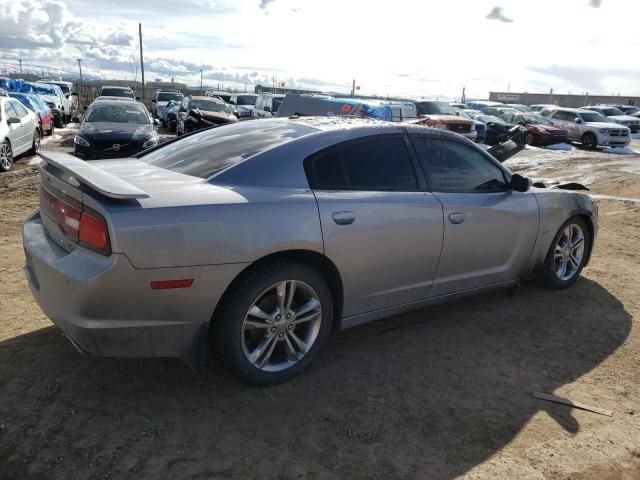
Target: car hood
[[248, 108], [448, 118], [624, 118], [604, 125], [109, 130], [50, 98], [216, 116]]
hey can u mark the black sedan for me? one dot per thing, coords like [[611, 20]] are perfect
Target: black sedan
[[114, 129]]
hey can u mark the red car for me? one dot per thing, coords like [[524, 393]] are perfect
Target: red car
[[540, 130], [36, 104]]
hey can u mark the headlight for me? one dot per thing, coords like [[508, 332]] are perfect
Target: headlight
[[78, 140], [604, 130], [150, 143]]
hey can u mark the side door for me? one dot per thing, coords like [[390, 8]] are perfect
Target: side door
[[17, 131], [380, 228], [489, 229]]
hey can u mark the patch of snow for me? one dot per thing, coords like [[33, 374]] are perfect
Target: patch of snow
[[635, 136], [560, 146], [52, 138], [620, 150], [35, 161]]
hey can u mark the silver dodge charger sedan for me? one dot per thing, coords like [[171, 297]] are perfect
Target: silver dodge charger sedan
[[259, 238]]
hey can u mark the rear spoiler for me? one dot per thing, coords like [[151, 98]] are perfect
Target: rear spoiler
[[100, 180]]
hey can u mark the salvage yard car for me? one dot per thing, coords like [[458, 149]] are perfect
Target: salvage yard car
[[540, 130], [161, 98], [52, 95], [243, 104], [250, 236], [196, 113], [41, 109], [590, 128], [114, 128], [115, 91], [616, 115], [19, 131], [442, 116]]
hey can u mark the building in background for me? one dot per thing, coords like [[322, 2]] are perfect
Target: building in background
[[562, 100]]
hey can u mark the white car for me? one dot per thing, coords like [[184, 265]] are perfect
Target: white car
[[67, 90], [590, 128], [267, 105], [161, 98], [19, 131], [618, 116]]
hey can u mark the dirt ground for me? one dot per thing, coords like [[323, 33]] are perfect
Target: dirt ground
[[436, 394]]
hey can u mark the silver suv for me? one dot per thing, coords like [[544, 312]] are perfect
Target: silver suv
[[590, 128], [19, 131], [616, 115]]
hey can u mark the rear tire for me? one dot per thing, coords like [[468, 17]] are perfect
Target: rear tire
[[6, 156], [51, 130], [589, 140], [567, 254], [273, 322], [35, 144]]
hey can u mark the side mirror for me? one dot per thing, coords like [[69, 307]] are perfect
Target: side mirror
[[11, 120], [267, 109], [520, 183], [75, 119], [137, 99], [156, 122], [577, 120], [66, 95], [154, 101], [74, 94]]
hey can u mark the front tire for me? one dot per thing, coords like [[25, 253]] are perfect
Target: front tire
[[6, 156], [274, 322], [589, 140], [567, 254], [529, 138]]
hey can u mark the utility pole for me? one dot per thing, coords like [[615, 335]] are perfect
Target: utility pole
[[200, 81], [462, 98], [353, 88], [80, 86], [20, 60], [141, 59]]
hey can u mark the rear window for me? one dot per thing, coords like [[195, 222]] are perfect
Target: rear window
[[206, 153], [166, 96], [116, 92]]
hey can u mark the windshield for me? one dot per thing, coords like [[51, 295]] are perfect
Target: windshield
[[208, 152], [434, 108], [35, 88], [117, 114], [209, 106], [489, 118], [462, 113], [630, 110], [63, 87], [277, 101], [592, 117], [611, 111], [247, 99], [534, 120], [166, 96], [116, 92]]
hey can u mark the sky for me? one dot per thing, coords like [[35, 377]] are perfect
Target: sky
[[419, 48]]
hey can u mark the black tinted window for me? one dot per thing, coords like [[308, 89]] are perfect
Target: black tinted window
[[116, 92], [373, 164], [205, 153], [454, 167]]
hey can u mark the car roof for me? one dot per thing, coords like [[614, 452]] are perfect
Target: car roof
[[207, 97], [116, 86], [102, 98], [116, 102]]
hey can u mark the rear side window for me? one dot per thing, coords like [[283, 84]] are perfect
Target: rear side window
[[206, 153], [454, 167], [373, 164]]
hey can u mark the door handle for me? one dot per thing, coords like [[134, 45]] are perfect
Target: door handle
[[344, 218], [456, 218]]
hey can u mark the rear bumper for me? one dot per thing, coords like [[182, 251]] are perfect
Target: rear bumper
[[107, 308]]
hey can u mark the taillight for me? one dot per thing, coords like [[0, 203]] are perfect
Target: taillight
[[93, 232], [78, 225]]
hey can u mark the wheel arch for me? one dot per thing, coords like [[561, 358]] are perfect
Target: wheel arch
[[586, 217], [316, 260]]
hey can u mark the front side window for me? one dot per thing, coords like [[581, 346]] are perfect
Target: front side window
[[9, 111], [454, 167], [592, 117], [277, 101], [374, 164]]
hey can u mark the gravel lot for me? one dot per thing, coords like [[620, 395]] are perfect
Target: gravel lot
[[440, 393]]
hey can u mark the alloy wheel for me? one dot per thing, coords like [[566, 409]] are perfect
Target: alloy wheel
[[569, 252], [6, 157], [36, 143], [281, 326]]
